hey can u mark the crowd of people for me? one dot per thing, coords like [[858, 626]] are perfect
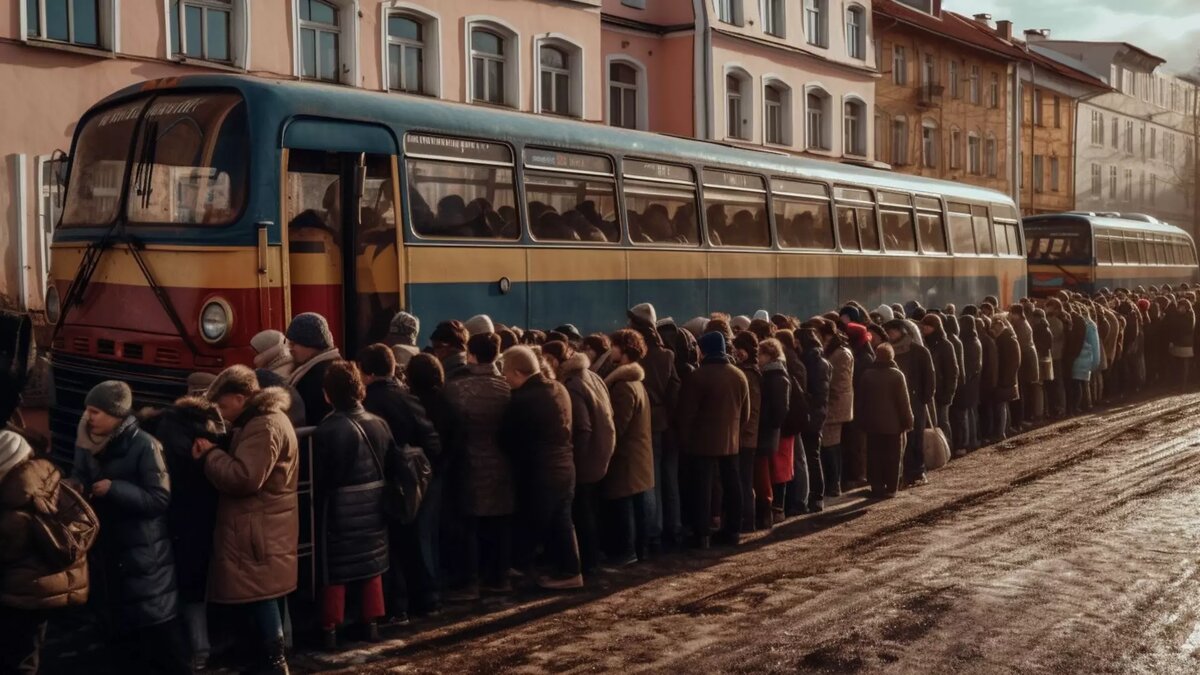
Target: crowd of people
[[496, 457]]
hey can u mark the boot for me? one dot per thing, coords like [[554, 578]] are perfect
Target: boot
[[276, 658]]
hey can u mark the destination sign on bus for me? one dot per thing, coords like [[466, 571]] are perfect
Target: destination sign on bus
[[551, 159], [734, 180], [640, 169], [456, 148]]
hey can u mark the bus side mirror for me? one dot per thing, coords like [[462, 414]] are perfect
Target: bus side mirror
[[60, 166]]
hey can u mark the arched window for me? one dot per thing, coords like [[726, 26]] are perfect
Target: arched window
[[899, 140], [738, 105], [489, 62], [626, 96], [817, 119], [856, 32], [974, 154], [929, 144], [406, 53], [854, 118], [560, 77], [777, 114], [955, 148], [320, 40]]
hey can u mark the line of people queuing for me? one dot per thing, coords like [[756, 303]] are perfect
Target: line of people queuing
[[466, 468]]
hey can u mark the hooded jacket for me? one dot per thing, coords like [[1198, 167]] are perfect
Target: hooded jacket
[[1088, 360], [882, 406], [917, 365], [631, 470], [593, 435], [773, 409], [967, 395], [1008, 362], [536, 432], [1030, 372], [945, 361]]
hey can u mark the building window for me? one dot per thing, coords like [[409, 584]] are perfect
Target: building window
[[1142, 139], [929, 136], [899, 65], [773, 17], [1142, 187], [729, 11], [1153, 187], [776, 115], [899, 141], [1039, 176], [991, 156], [974, 155], [488, 65], [555, 81], [1129, 136], [406, 54], [881, 137], [1116, 132], [1057, 112], [200, 29], [1128, 185], [817, 120], [994, 91], [1112, 182], [320, 35], [738, 108], [928, 71], [815, 18], [1097, 182], [854, 116], [1037, 108], [955, 149], [87, 23], [1097, 127], [952, 76], [856, 32], [624, 96], [1153, 142], [1054, 168], [973, 85]]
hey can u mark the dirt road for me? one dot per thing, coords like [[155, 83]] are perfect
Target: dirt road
[[1070, 549]]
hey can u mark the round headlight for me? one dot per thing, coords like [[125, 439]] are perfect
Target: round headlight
[[215, 321], [53, 304]]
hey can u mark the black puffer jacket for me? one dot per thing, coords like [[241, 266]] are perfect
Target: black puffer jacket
[[192, 513], [133, 568], [819, 373], [776, 398], [352, 530], [406, 419]]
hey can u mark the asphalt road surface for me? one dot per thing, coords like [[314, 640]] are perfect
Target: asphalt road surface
[[1070, 549]]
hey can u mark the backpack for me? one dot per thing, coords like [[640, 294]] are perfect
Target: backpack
[[406, 473], [64, 537]]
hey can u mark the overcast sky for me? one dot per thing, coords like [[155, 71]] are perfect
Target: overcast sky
[[1169, 29]]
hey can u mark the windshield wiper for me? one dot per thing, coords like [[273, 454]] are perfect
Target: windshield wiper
[[143, 179]]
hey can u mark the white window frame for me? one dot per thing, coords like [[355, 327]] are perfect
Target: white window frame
[[816, 23], [575, 71], [348, 41], [744, 126], [856, 32], [952, 76], [238, 18], [774, 17], [854, 141], [107, 34], [512, 58], [823, 118], [898, 134], [900, 65], [640, 89], [46, 223], [729, 11], [785, 111], [431, 26], [974, 153], [929, 144]]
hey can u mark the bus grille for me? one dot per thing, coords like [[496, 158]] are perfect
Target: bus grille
[[74, 377]]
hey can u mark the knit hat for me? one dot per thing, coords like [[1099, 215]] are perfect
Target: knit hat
[[762, 315], [480, 324], [886, 312], [914, 310], [712, 345], [13, 450], [112, 397], [851, 312], [739, 323], [310, 330], [404, 328], [644, 314], [198, 383], [858, 334], [266, 340], [696, 326]]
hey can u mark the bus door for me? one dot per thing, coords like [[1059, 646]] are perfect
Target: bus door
[[343, 247]]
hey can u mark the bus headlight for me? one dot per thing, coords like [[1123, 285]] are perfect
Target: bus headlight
[[215, 321], [53, 304]]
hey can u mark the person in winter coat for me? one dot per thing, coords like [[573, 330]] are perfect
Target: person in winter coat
[[745, 356], [712, 409], [662, 386], [794, 424], [1029, 374], [597, 349], [854, 444], [965, 410], [35, 583], [448, 343], [271, 353], [631, 470], [773, 461], [1073, 346], [811, 496], [1089, 359], [121, 468], [258, 523], [1008, 368], [1180, 327], [841, 405], [917, 365], [352, 446], [1056, 392], [312, 348], [885, 415], [945, 371], [951, 326], [192, 511], [413, 581], [987, 378], [483, 482], [593, 437], [536, 432], [1043, 342], [402, 336]]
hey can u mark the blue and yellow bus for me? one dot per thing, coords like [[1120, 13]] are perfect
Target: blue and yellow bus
[[201, 210], [1084, 252]]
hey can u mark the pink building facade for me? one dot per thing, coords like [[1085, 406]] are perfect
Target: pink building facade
[[61, 56], [796, 77]]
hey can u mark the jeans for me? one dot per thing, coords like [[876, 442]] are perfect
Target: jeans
[[914, 450], [797, 492], [22, 634], [583, 513], [971, 427], [704, 471], [630, 526], [547, 521], [333, 602], [1000, 421], [486, 551], [831, 464], [746, 458], [653, 499], [414, 556], [195, 620], [816, 474], [267, 617], [884, 452]]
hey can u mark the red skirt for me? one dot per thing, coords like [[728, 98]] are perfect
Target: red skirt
[[782, 468]]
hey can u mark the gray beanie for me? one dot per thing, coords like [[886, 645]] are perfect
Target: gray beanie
[[310, 330], [266, 340], [13, 450], [404, 328], [644, 313], [112, 397], [480, 324]]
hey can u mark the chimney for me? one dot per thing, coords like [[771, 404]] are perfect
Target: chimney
[[1036, 34], [1004, 30], [985, 19]]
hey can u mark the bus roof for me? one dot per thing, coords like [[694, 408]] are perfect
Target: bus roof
[[336, 101], [1102, 222]]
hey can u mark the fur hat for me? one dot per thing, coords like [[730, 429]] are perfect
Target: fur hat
[[712, 345], [885, 311], [404, 328], [644, 314], [739, 323], [310, 330], [13, 450], [479, 324], [112, 397], [885, 353], [237, 379]]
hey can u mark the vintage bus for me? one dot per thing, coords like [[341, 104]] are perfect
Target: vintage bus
[[203, 209], [1085, 252]]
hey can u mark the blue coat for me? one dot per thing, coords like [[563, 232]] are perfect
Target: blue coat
[[1088, 360]]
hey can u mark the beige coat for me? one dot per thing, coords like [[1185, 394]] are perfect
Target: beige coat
[[631, 470], [841, 396]]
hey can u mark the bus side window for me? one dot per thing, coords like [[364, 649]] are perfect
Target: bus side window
[[983, 234], [848, 228], [1103, 251], [660, 203], [962, 237], [736, 209], [465, 188]]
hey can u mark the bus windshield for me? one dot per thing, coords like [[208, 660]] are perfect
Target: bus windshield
[[1058, 242], [190, 162]]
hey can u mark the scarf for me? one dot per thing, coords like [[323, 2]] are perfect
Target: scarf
[[277, 359], [96, 444], [298, 374]]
